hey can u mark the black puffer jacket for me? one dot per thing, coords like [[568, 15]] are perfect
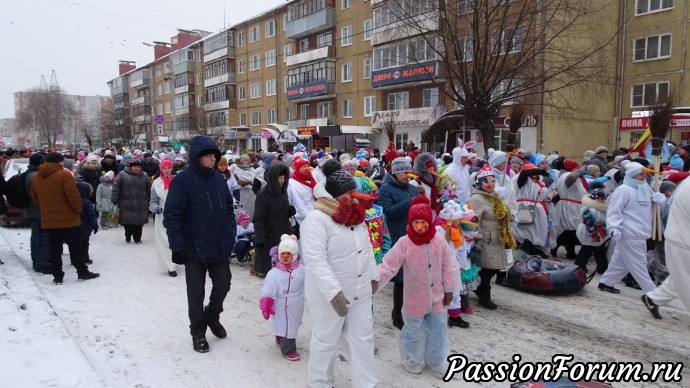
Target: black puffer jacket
[[272, 212], [131, 194]]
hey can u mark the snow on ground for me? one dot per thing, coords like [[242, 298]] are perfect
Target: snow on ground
[[129, 328]]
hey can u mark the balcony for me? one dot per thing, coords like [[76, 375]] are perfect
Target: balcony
[[219, 79], [142, 100], [225, 52], [312, 90], [320, 20], [321, 121], [141, 119], [325, 52], [184, 89], [218, 105], [294, 124], [183, 67], [139, 79], [395, 31]]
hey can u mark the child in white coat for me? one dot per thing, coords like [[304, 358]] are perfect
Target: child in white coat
[[281, 296]]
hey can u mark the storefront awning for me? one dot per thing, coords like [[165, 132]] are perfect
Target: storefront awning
[[449, 121], [268, 133]]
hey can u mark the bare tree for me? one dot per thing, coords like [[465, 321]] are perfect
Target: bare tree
[[103, 125], [495, 53], [200, 121], [46, 111]]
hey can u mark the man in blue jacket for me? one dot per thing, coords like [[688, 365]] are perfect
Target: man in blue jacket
[[394, 197], [200, 223]]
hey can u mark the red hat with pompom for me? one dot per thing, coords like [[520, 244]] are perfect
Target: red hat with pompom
[[420, 209]]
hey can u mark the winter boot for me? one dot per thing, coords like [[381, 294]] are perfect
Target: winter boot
[[88, 275], [214, 324], [200, 344], [458, 322]]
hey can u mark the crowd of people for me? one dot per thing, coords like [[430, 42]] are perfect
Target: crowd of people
[[334, 227]]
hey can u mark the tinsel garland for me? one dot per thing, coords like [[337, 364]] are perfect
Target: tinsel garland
[[503, 215]]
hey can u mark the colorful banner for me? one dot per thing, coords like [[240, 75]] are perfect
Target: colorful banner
[[401, 74]]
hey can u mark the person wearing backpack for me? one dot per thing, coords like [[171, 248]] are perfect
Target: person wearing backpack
[[39, 236]]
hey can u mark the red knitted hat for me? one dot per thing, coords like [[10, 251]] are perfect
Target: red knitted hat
[[298, 162], [420, 210], [570, 165]]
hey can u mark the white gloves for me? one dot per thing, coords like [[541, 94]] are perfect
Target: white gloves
[[659, 198], [502, 192]]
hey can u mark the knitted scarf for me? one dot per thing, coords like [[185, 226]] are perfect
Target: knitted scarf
[[347, 215], [167, 180], [644, 191], [503, 215], [373, 219], [305, 179], [420, 238], [287, 267]]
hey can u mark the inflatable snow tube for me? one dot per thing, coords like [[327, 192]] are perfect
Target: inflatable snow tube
[[551, 277]]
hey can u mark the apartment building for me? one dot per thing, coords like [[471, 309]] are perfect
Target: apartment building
[[654, 63]]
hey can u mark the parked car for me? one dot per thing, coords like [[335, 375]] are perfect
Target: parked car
[[14, 216]]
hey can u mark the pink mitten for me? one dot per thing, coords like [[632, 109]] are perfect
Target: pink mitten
[[266, 304]]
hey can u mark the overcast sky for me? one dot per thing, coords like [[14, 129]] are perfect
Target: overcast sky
[[83, 40]]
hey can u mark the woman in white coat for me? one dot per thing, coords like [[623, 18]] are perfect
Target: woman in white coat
[[340, 276], [530, 195], [159, 193], [301, 189]]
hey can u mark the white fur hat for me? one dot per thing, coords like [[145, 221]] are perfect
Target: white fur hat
[[288, 244]]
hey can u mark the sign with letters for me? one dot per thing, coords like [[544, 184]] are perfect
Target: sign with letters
[[408, 73], [307, 90]]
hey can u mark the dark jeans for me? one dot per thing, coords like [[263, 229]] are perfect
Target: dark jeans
[[39, 244], [195, 274], [599, 252], [133, 231], [71, 237]]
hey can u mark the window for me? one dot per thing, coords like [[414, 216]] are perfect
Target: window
[[256, 118], [182, 56], [253, 34], [271, 58], [406, 52], [324, 109], [168, 68], [287, 51], [241, 93], [505, 89], [648, 94], [288, 114], [652, 47], [347, 4], [167, 107], [240, 39], [400, 100], [467, 47], [166, 87], [240, 66], [347, 72], [160, 90], [465, 6], [369, 105], [647, 6], [315, 71], [254, 62], [216, 119], [181, 79], [368, 29], [198, 78], [254, 90], [285, 83], [198, 55], [183, 100], [430, 97], [347, 108], [303, 45], [159, 110], [158, 71], [270, 28], [243, 119], [271, 116], [285, 20], [400, 141], [325, 39], [219, 93], [271, 89], [367, 68], [508, 40], [304, 111], [199, 100], [217, 68], [346, 36]]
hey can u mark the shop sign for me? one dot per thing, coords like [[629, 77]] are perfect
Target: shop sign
[[415, 117], [504, 121], [306, 131], [322, 142], [307, 90], [401, 74]]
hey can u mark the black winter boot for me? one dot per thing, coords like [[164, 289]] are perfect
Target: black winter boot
[[396, 314]]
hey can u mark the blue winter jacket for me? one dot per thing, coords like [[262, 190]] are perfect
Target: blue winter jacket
[[199, 216], [89, 222], [395, 200]]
